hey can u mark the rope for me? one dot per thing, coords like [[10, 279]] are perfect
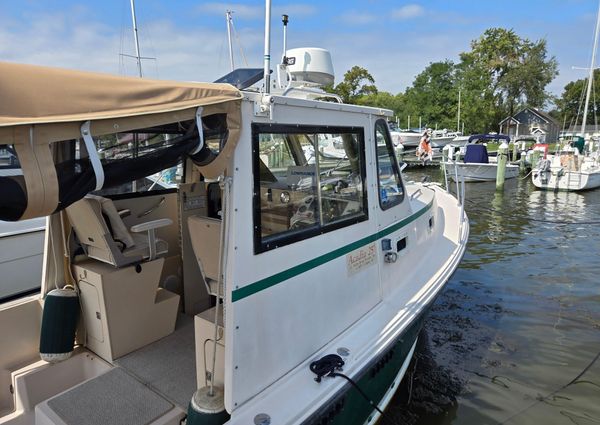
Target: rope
[[235, 34], [328, 365], [546, 397], [528, 174]]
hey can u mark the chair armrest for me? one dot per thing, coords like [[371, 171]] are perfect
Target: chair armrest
[[124, 213], [150, 225]]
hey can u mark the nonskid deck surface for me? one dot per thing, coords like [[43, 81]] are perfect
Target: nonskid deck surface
[[143, 386], [168, 365], [112, 398]]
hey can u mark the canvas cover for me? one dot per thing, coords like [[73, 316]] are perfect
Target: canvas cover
[[42, 105]]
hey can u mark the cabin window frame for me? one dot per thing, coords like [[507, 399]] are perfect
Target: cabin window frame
[[293, 236], [396, 168]]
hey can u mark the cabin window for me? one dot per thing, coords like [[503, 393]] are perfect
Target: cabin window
[[124, 146], [391, 191], [8, 158], [308, 181]]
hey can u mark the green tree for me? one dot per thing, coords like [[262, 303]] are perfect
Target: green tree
[[570, 104], [515, 70], [433, 96], [357, 82], [382, 99]]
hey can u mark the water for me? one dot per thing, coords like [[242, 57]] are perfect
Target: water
[[520, 318]]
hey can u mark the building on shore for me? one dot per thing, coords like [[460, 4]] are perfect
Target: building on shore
[[530, 122], [590, 130]]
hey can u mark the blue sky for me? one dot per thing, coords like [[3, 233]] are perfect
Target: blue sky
[[394, 40]]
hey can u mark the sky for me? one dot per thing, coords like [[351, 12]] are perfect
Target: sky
[[393, 40]]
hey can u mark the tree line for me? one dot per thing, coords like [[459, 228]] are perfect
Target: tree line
[[499, 75]]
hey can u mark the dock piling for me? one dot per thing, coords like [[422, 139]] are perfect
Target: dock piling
[[501, 169], [535, 158]]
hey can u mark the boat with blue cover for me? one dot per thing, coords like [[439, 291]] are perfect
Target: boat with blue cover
[[472, 163]]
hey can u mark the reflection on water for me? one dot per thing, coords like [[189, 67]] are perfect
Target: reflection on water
[[520, 319]]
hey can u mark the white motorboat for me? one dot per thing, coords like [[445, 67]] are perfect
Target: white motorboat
[[289, 273], [21, 251], [441, 138], [21, 244], [407, 138], [471, 161]]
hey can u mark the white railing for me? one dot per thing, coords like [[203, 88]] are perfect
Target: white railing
[[459, 179]]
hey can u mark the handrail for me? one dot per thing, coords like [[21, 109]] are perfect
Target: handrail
[[460, 192]]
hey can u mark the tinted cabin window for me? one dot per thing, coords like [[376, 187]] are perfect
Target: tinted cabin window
[[391, 191], [308, 181]]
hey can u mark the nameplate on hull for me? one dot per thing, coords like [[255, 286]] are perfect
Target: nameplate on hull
[[360, 258]]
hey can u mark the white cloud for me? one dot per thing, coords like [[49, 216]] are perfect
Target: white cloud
[[394, 56], [409, 11], [357, 18], [199, 54]]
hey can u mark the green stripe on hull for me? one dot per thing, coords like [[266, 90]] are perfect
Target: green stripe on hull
[[273, 280]]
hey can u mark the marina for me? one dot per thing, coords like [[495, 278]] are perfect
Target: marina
[[519, 319], [275, 244]]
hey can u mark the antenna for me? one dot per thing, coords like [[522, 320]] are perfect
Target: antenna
[[285, 20], [267, 64], [229, 23]]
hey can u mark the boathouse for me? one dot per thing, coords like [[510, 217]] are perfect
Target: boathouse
[[531, 122], [590, 130]]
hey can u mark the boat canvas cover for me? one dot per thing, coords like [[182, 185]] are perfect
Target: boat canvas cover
[[41, 106], [476, 154]]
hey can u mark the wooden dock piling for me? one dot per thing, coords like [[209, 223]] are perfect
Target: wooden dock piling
[[501, 170]]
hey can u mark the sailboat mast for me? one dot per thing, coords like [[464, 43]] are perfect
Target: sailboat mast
[[591, 75], [135, 36], [458, 113], [228, 17]]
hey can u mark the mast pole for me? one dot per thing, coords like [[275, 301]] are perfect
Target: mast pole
[[228, 17], [458, 113], [591, 75], [267, 55], [135, 36]]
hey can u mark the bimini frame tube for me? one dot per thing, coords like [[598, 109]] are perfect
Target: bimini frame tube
[[267, 64], [200, 132], [92, 154]]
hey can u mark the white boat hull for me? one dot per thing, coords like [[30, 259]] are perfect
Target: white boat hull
[[440, 142], [21, 252], [478, 172], [554, 179]]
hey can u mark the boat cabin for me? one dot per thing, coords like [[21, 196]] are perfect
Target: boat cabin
[[199, 236]]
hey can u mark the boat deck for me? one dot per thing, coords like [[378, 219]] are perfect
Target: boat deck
[[151, 385]]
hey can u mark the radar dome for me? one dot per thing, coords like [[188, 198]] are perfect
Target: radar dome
[[311, 64]]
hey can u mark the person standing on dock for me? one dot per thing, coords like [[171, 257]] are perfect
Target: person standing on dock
[[424, 151]]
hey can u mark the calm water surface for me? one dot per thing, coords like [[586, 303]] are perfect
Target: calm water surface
[[520, 318]]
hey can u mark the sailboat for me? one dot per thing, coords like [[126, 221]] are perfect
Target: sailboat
[[249, 293], [575, 166]]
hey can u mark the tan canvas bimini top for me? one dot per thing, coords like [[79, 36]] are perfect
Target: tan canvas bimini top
[[35, 95], [42, 105]]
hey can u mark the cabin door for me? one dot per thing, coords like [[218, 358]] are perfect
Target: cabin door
[[392, 210]]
